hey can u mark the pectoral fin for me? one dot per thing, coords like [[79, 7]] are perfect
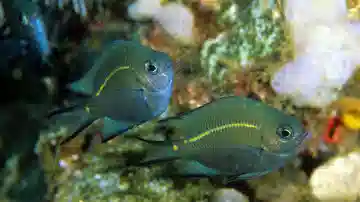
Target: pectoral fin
[[113, 128], [244, 176]]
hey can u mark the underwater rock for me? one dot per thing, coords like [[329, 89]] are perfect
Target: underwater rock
[[228, 195], [288, 185], [99, 176], [338, 179]]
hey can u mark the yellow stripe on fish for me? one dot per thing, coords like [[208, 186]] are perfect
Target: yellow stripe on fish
[[217, 129], [112, 73]]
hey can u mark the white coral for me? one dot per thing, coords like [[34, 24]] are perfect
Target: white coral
[[327, 51], [175, 18]]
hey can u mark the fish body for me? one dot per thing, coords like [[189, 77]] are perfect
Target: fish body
[[127, 84], [235, 137]]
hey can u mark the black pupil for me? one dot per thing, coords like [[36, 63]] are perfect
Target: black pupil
[[151, 67], [285, 133]]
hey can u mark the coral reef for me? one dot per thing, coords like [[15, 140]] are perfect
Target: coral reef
[[219, 47], [253, 37], [100, 176]]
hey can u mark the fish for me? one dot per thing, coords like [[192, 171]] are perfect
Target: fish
[[127, 84], [232, 137]]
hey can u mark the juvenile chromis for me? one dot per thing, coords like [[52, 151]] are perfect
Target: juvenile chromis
[[127, 84], [233, 138]]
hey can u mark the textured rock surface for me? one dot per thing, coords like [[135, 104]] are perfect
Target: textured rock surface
[[228, 195], [338, 179]]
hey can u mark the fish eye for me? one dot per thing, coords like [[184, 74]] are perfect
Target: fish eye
[[151, 67], [285, 132]]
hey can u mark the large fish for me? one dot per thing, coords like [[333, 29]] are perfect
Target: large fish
[[233, 138], [127, 84]]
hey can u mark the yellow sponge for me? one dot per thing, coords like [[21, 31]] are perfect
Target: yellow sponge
[[351, 121]]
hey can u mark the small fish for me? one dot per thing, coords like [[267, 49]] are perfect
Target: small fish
[[232, 137], [127, 84]]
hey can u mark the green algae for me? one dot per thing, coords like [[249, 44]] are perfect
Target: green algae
[[252, 36]]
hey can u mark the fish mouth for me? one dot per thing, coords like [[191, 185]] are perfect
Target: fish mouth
[[303, 137], [168, 87], [166, 77], [299, 143], [298, 146], [160, 87]]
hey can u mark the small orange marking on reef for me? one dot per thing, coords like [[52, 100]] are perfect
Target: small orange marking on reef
[[332, 133]]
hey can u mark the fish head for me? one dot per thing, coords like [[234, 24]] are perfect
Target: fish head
[[283, 134], [155, 72], [144, 67]]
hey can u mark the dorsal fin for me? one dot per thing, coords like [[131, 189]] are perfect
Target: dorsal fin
[[85, 85]]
